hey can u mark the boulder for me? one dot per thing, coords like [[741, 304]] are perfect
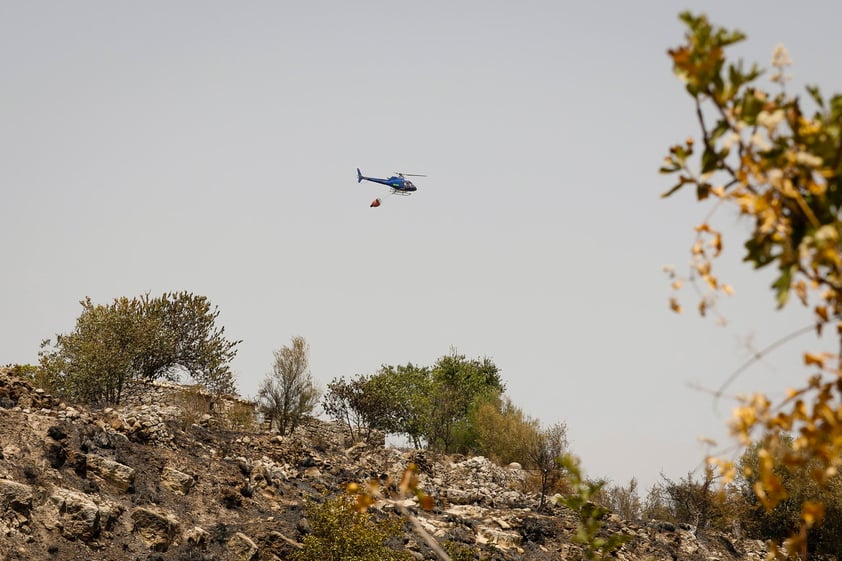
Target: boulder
[[156, 529], [15, 496], [242, 547], [119, 475], [78, 516], [176, 481]]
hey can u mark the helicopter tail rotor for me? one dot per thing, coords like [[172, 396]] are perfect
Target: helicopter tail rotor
[[359, 176]]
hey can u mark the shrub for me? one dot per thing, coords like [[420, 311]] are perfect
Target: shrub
[[138, 339], [785, 518], [622, 500], [340, 532], [503, 432], [703, 503]]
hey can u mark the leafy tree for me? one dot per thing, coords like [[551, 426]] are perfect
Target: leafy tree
[[545, 450], [341, 532], [363, 404], [779, 164], [289, 393], [503, 432], [139, 339], [428, 405], [456, 384], [410, 389]]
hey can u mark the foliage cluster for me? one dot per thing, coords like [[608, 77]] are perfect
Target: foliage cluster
[[369, 403], [785, 518], [778, 164], [697, 502], [289, 393], [432, 406], [141, 338], [501, 430], [341, 532]]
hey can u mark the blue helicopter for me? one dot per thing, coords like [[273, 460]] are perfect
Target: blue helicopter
[[398, 183]]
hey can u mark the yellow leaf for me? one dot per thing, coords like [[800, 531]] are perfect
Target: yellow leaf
[[812, 513], [801, 291], [727, 289], [409, 481], [821, 311], [810, 359], [716, 243], [675, 306], [697, 248]]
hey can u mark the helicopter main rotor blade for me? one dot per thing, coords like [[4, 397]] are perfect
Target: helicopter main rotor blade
[[410, 174]]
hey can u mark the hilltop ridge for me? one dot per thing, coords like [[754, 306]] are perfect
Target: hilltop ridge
[[167, 481]]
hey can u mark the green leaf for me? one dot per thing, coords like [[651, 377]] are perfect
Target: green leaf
[[816, 95], [710, 160], [751, 107], [782, 285], [672, 190], [759, 251]]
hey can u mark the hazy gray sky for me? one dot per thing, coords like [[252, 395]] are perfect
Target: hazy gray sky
[[211, 147]]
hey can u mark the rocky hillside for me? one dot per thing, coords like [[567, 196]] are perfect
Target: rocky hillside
[[155, 483]]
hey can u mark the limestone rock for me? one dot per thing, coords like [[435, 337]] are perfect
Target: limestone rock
[[242, 547], [16, 496], [119, 475], [176, 481], [78, 516], [156, 529], [196, 536]]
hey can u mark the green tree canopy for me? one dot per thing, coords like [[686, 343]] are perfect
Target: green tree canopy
[[341, 532], [430, 405], [410, 385], [363, 404], [457, 383], [139, 339]]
